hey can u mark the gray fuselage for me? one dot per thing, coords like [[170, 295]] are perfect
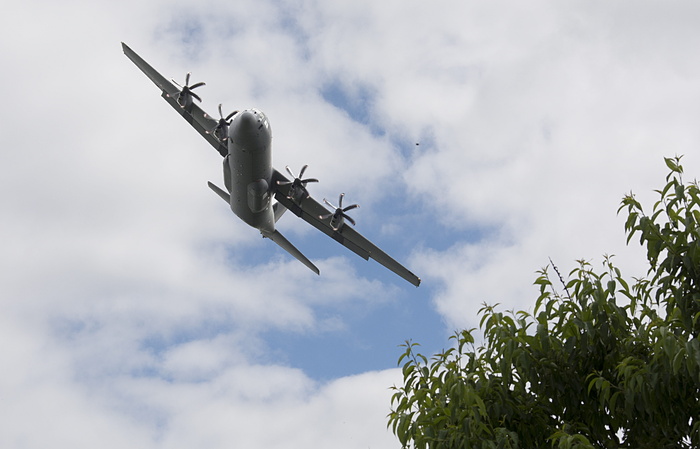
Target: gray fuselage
[[248, 169]]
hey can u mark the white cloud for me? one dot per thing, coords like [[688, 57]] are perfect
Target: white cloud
[[135, 306], [201, 400]]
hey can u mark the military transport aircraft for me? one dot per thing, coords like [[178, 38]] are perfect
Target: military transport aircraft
[[251, 183]]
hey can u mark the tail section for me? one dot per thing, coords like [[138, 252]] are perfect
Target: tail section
[[291, 249], [275, 236]]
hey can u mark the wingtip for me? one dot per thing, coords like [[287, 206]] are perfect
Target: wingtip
[[131, 54]]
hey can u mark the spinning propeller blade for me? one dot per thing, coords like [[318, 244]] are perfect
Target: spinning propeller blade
[[186, 90], [298, 186], [339, 214]]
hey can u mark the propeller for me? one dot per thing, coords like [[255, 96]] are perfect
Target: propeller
[[339, 215], [186, 90], [221, 129], [298, 186]]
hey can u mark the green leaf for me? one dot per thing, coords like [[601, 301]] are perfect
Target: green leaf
[[672, 165], [678, 360]]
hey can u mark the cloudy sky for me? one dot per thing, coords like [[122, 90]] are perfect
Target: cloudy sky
[[480, 138]]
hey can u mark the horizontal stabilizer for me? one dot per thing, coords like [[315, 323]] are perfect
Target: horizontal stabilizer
[[224, 196], [291, 249]]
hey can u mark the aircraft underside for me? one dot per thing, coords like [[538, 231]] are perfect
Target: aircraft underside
[[248, 169]]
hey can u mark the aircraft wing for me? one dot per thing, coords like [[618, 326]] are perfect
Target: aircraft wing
[[309, 210], [195, 116]]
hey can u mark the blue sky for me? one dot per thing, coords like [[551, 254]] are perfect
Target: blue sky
[[137, 309]]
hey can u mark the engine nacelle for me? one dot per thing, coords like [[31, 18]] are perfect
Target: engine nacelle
[[337, 222], [258, 195]]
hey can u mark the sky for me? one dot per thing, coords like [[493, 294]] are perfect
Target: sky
[[482, 139]]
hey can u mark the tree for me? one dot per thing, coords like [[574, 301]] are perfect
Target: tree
[[602, 362]]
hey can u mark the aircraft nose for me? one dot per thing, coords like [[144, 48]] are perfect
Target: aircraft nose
[[249, 124], [248, 120]]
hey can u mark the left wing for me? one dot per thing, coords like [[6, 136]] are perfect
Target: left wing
[[195, 116], [310, 210]]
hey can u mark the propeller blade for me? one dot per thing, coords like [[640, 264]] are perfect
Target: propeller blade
[[339, 212], [298, 185], [200, 84], [289, 170]]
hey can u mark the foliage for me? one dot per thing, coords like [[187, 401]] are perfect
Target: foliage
[[604, 363]]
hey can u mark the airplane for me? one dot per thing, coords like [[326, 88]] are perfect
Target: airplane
[[244, 138]]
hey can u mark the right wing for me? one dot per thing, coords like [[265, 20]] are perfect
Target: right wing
[[310, 210], [195, 116]]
